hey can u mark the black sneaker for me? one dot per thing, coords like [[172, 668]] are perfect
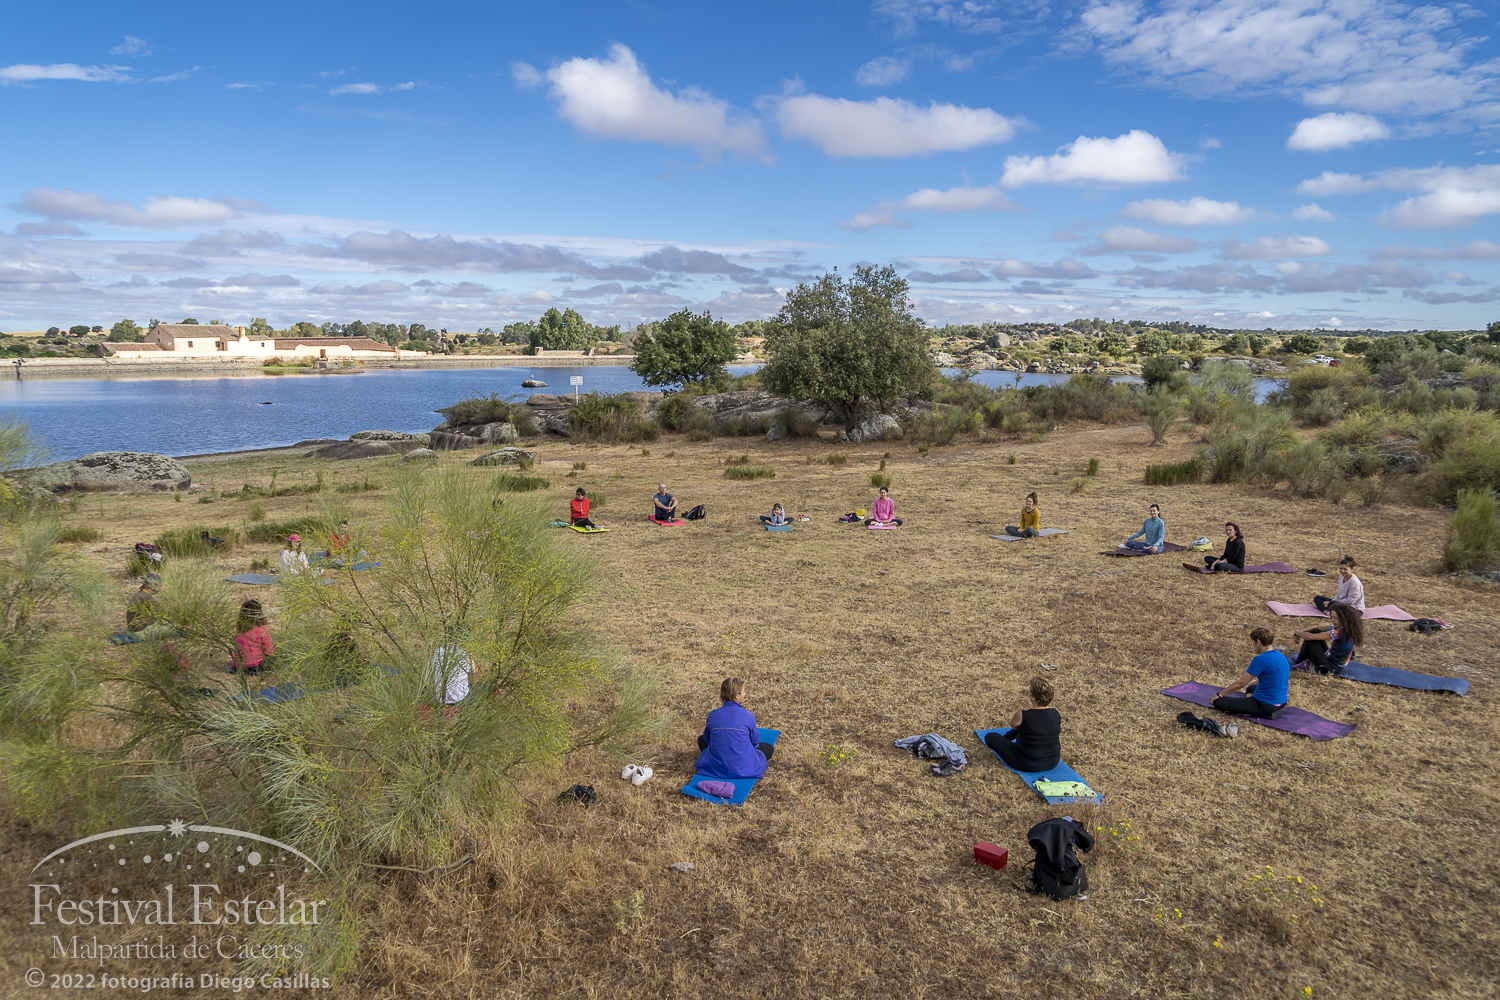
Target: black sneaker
[[1316, 572], [944, 770]]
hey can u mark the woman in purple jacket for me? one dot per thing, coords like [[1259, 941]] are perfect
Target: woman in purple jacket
[[731, 742]]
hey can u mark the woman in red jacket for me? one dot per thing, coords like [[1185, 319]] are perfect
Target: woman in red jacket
[[253, 645], [580, 511]]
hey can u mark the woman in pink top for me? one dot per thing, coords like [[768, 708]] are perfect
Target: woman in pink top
[[884, 511], [253, 643]]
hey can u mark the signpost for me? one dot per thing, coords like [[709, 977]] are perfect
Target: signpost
[[575, 381]]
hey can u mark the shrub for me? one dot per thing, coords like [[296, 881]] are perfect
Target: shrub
[[1174, 473], [1164, 372], [1239, 451], [1414, 397], [189, 541], [794, 423], [745, 425], [1078, 485], [737, 460], [1371, 490], [748, 472], [836, 458], [611, 418], [78, 533], [1161, 410], [1082, 397], [1470, 463], [1359, 431], [940, 427], [674, 411], [276, 531], [879, 479], [1473, 537], [514, 482], [491, 409], [1310, 468], [1221, 392], [1093, 469], [257, 511]]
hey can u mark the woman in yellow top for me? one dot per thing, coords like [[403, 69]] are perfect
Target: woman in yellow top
[[1031, 519]]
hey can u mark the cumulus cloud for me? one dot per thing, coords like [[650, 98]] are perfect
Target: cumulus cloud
[[356, 88], [1136, 157], [131, 46], [373, 290], [1473, 250], [1313, 212], [29, 73], [159, 211], [951, 200], [1336, 131], [1197, 211], [525, 75], [1447, 198], [1129, 239], [1274, 248], [673, 260], [888, 127], [48, 229], [1199, 278], [614, 98], [882, 71], [1065, 269], [964, 275], [1367, 55], [231, 242]]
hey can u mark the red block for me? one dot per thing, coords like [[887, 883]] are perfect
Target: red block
[[988, 854]]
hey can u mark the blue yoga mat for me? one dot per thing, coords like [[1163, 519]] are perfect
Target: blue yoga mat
[[265, 579], [778, 527], [121, 638], [1403, 679], [1061, 772], [742, 786]]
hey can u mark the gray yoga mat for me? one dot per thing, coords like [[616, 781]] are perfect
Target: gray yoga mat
[[1040, 534], [1403, 679]]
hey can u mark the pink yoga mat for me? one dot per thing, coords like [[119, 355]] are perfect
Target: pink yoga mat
[[1276, 567], [1389, 612], [666, 524], [882, 527]]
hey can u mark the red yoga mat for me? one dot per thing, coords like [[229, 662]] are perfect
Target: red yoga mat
[[666, 524]]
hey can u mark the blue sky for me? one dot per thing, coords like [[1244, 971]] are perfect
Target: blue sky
[[1261, 163]]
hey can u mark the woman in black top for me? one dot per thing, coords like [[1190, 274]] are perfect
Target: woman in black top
[[1233, 559], [1034, 742]]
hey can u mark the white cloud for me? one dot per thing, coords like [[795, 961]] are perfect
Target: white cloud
[[966, 15], [1210, 143], [356, 88], [1447, 198], [525, 75], [1273, 248], [1198, 211], [131, 46], [952, 200], [1136, 157], [1336, 131], [28, 73], [1368, 55], [882, 71], [408, 85], [614, 98], [1129, 239], [889, 126], [159, 211], [1473, 250], [1313, 212], [177, 77]]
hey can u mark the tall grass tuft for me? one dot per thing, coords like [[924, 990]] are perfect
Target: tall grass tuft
[[189, 541], [749, 472], [737, 460], [78, 533], [1093, 469], [515, 482], [878, 479], [1174, 473], [1473, 538], [1161, 409], [602, 416]]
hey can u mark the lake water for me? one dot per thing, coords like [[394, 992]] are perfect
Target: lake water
[[200, 414]]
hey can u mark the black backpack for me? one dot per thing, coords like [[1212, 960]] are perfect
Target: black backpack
[[696, 514], [1425, 626], [1056, 871]]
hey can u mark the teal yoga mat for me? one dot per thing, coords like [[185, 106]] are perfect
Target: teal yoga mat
[[742, 786], [778, 527], [1061, 772]]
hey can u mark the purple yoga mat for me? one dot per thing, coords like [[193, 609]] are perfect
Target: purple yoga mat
[[1293, 720], [1122, 551], [1275, 567], [1389, 612]]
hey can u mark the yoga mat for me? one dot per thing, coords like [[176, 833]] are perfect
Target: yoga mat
[[560, 524], [1403, 679], [742, 786], [1123, 552], [1388, 612], [1040, 534], [1293, 720], [121, 638], [586, 531], [882, 527], [778, 527], [1062, 772], [665, 524], [263, 579], [1271, 567]]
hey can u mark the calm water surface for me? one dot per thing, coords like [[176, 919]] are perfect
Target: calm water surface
[[194, 415]]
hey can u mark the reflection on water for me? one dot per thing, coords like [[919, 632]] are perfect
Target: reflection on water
[[198, 413]]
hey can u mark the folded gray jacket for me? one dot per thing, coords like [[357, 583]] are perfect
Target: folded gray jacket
[[935, 747]]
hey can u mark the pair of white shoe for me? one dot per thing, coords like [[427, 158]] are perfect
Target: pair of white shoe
[[636, 774]]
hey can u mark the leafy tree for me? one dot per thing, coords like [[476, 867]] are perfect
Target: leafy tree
[[259, 327], [1384, 350], [1492, 333], [1258, 344], [78, 330], [1114, 343], [126, 332], [304, 329], [1065, 345], [356, 329], [487, 339], [1164, 373], [189, 321], [684, 348], [96, 329], [562, 331], [1302, 343], [154, 324], [1356, 345], [517, 333], [849, 344], [417, 345], [1151, 342], [418, 332], [1235, 343], [53, 331]]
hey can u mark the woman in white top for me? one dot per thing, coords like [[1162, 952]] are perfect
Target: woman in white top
[[293, 560], [1351, 591]]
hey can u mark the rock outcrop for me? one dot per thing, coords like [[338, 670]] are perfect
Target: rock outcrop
[[115, 472], [879, 427], [505, 456], [346, 450]]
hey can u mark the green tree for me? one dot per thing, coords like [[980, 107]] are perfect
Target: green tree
[[356, 329], [1151, 342], [1164, 373], [849, 344], [1356, 345], [1114, 343], [304, 329], [126, 332], [1065, 344], [78, 330], [260, 328], [562, 331], [1492, 333], [1302, 343], [189, 321], [684, 348]]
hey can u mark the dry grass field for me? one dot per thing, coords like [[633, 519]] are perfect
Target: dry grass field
[[858, 881]]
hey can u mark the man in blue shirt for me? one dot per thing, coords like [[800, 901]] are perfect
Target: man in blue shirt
[[664, 504], [1153, 534], [1265, 682]]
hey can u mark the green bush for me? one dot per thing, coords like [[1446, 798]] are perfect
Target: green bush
[[737, 460], [1082, 397], [700, 425], [611, 418], [836, 458], [276, 531], [795, 423], [1469, 462], [1473, 537], [491, 409], [1174, 473], [1164, 371], [515, 482], [1310, 468], [1221, 392], [78, 533], [1093, 469], [748, 472], [674, 411], [1161, 409], [744, 425], [879, 479], [1362, 430], [1240, 451], [189, 541]]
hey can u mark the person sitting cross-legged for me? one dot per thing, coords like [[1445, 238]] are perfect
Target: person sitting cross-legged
[[731, 742], [1034, 742], [1264, 683]]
